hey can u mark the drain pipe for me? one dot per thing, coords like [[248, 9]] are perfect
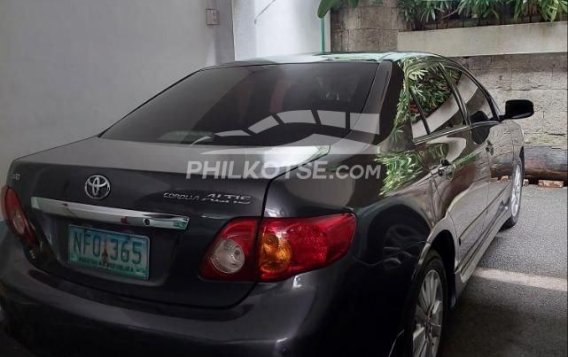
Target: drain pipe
[[322, 32]]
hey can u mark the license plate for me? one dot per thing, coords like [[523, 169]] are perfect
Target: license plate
[[117, 253]]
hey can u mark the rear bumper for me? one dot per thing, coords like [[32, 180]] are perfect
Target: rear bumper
[[347, 308], [49, 314], [84, 328], [43, 317]]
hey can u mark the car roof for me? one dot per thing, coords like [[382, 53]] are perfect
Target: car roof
[[354, 57]]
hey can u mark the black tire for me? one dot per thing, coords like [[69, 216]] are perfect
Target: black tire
[[514, 218], [432, 263]]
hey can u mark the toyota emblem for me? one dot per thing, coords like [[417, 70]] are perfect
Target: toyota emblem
[[97, 187]]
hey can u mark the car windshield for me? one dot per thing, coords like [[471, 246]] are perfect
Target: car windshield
[[264, 105]]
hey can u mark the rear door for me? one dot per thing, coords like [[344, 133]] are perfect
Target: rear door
[[492, 135], [459, 164]]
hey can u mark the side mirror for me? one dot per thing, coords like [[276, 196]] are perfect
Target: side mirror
[[518, 109]]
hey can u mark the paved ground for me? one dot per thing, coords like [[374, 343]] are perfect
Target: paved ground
[[496, 318], [516, 305]]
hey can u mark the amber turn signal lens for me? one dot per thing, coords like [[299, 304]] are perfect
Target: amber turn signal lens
[[275, 254], [290, 246]]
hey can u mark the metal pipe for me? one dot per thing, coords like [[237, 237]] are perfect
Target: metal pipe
[[322, 31]]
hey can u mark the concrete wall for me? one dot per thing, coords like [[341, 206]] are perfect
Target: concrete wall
[[372, 27], [488, 40], [71, 68], [511, 73], [277, 27], [368, 27], [541, 78]]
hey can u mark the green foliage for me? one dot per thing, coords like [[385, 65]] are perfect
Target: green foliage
[[326, 5], [419, 12], [404, 167], [520, 8], [400, 169], [482, 9], [550, 10], [411, 73]]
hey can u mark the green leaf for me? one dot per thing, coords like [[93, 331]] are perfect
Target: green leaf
[[325, 6]]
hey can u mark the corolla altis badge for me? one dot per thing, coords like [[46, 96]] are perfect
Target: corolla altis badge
[[97, 187]]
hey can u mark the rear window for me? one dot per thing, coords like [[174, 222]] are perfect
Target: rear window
[[252, 106]]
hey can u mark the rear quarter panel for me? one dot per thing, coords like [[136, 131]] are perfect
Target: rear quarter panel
[[396, 215]]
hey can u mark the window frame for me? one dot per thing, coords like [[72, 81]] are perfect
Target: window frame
[[483, 90], [457, 97]]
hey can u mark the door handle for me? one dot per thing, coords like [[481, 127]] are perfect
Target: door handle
[[446, 170], [490, 148]]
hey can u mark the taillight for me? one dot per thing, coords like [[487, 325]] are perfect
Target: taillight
[[15, 217], [285, 247], [291, 246]]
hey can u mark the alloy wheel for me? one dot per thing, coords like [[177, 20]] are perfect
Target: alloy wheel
[[429, 316], [517, 190]]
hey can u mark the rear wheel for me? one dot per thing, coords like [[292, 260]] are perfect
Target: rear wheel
[[516, 193], [428, 310]]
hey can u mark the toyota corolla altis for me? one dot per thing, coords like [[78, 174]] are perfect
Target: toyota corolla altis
[[331, 204]]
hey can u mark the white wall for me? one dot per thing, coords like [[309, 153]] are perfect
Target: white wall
[[277, 27], [70, 68]]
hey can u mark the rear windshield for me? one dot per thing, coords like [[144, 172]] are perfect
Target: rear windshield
[[252, 106]]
